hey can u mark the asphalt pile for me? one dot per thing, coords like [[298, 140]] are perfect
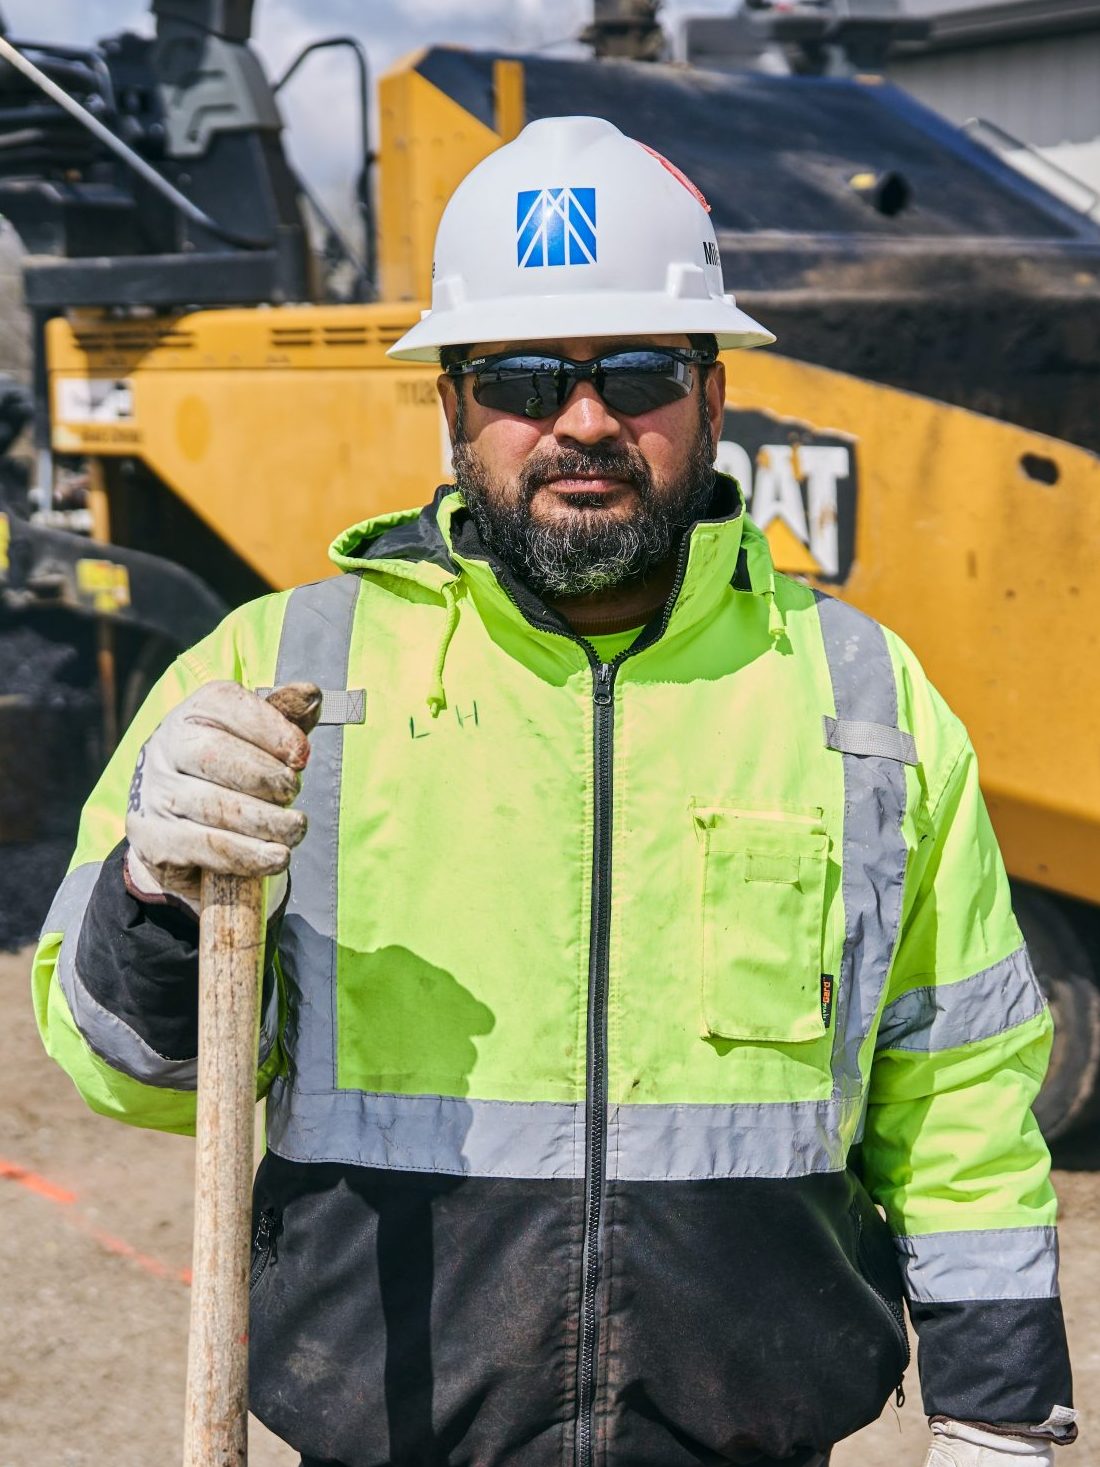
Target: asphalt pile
[[49, 757]]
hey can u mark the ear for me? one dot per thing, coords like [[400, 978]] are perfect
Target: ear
[[448, 397], [716, 400]]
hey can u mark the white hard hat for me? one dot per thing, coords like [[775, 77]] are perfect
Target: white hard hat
[[574, 229]]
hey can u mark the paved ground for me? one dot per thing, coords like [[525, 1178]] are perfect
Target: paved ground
[[96, 1239]]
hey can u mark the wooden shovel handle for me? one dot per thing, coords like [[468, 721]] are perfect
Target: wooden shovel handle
[[232, 934]]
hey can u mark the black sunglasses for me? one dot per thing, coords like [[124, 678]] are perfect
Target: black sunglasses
[[536, 384]]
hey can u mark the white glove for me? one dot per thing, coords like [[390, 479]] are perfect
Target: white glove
[[208, 794], [956, 1445]]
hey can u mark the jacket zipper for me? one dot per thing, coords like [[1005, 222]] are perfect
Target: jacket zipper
[[603, 731], [603, 741], [898, 1322], [897, 1319], [603, 702], [263, 1245]]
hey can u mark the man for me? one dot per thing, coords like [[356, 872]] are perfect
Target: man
[[648, 931]]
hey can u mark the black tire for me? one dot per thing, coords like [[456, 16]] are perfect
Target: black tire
[[1070, 1096], [50, 753]]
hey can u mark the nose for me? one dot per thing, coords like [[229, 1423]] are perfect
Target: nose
[[586, 418]]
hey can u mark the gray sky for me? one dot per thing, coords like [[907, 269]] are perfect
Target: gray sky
[[319, 105]]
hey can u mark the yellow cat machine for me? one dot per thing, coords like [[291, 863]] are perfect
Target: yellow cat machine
[[923, 441]]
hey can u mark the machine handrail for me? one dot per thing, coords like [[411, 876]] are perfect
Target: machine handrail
[[985, 124], [368, 267]]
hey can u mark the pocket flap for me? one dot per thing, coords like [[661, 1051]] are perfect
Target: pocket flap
[[763, 918]]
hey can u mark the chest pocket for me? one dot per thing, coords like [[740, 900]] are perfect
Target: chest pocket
[[763, 913]]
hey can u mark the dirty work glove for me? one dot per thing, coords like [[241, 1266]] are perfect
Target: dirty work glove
[[956, 1445], [209, 793]]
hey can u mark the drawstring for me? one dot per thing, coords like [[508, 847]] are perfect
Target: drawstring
[[437, 697], [777, 627], [759, 567], [762, 580]]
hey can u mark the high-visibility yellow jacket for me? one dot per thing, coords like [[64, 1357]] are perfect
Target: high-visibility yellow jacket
[[610, 999]]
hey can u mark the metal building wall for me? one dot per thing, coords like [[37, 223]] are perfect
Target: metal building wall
[[1045, 90]]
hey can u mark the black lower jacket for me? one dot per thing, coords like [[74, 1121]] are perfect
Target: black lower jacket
[[406, 1319], [412, 1319]]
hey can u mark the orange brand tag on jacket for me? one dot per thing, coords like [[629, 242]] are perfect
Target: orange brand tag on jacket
[[826, 998]]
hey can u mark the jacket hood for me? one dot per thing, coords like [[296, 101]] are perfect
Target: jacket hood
[[421, 544], [401, 541], [440, 548]]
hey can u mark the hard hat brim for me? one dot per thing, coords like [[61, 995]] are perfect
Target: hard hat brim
[[552, 318]]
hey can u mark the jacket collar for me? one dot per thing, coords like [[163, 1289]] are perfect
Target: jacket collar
[[441, 545]]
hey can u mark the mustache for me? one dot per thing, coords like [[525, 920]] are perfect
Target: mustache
[[612, 462]]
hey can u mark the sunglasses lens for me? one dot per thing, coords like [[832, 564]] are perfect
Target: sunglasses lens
[[530, 387], [630, 382], [636, 382]]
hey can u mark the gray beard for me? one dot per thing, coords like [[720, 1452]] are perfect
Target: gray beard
[[591, 551]]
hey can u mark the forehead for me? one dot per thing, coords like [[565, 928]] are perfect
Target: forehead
[[579, 348]]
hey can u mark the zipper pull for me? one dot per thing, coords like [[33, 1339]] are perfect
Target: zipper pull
[[265, 1232], [601, 692], [899, 1394]]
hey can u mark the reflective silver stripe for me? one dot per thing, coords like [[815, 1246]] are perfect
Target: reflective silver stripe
[[874, 851], [947, 1015], [105, 1033], [338, 705], [988, 1263], [123, 1049], [670, 1143], [850, 736], [112, 1038], [70, 903], [315, 645], [428, 1133], [545, 1140]]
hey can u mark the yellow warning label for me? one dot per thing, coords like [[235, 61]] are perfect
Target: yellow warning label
[[103, 584], [5, 541]]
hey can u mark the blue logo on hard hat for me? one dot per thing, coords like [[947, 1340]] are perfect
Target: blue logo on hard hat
[[555, 226]]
